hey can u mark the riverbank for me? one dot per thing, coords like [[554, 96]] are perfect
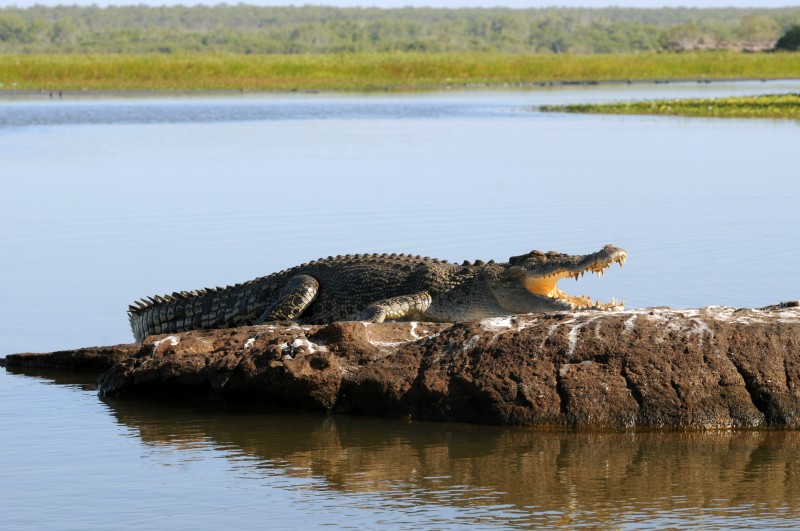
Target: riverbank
[[768, 106], [373, 71]]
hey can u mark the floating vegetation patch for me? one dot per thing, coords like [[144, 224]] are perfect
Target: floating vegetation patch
[[767, 106]]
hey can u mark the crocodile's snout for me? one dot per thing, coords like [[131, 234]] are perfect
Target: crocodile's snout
[[544, 270]]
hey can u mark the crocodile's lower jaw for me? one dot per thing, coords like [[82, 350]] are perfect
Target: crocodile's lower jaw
[[585, 302]]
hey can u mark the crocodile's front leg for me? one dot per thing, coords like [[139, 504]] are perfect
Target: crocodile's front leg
[[293, 299], [397, 307]]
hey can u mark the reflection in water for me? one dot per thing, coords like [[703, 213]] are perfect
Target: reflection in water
[[500, 476], [204, 466], [86, 380]]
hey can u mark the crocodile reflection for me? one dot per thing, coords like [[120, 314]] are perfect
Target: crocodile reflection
[[544, 477]]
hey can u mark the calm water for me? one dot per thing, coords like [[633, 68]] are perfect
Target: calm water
[[108, 200], [72, 461]]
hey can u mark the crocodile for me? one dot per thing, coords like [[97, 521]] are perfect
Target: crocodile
[[378, 287]]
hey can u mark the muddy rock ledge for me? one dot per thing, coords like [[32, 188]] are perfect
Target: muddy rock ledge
[[713, 367]]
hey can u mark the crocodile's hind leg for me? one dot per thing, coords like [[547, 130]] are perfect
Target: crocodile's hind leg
[[293, 299], [397, 307]]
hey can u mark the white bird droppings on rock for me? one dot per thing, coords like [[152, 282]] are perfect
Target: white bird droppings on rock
[[494, 324], [302, 342], [173, 340], [630, 324]]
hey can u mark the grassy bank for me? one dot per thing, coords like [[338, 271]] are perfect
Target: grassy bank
[[371, 71], [775, 106]]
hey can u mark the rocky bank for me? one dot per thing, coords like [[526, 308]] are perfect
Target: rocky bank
[[713, 367]]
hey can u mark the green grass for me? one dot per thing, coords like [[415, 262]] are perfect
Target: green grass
[[770, 106], [371, 71]]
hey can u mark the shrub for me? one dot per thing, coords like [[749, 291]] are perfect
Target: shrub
[[790, 40]]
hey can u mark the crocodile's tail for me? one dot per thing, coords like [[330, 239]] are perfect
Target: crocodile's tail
[[220, 307], [162, 314]]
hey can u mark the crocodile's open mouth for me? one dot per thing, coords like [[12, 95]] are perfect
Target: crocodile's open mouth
[[546, 285]]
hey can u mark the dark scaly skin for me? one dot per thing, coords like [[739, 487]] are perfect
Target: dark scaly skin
[[373, 288]]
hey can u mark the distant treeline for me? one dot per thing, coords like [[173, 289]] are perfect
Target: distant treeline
[[314, 29]]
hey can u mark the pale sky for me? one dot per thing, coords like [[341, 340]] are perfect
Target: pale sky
[[429, 3]]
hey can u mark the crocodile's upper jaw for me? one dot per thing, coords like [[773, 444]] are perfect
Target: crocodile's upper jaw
[[542, 277]]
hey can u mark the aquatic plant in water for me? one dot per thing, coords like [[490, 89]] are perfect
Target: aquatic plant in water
[[765, 106]]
